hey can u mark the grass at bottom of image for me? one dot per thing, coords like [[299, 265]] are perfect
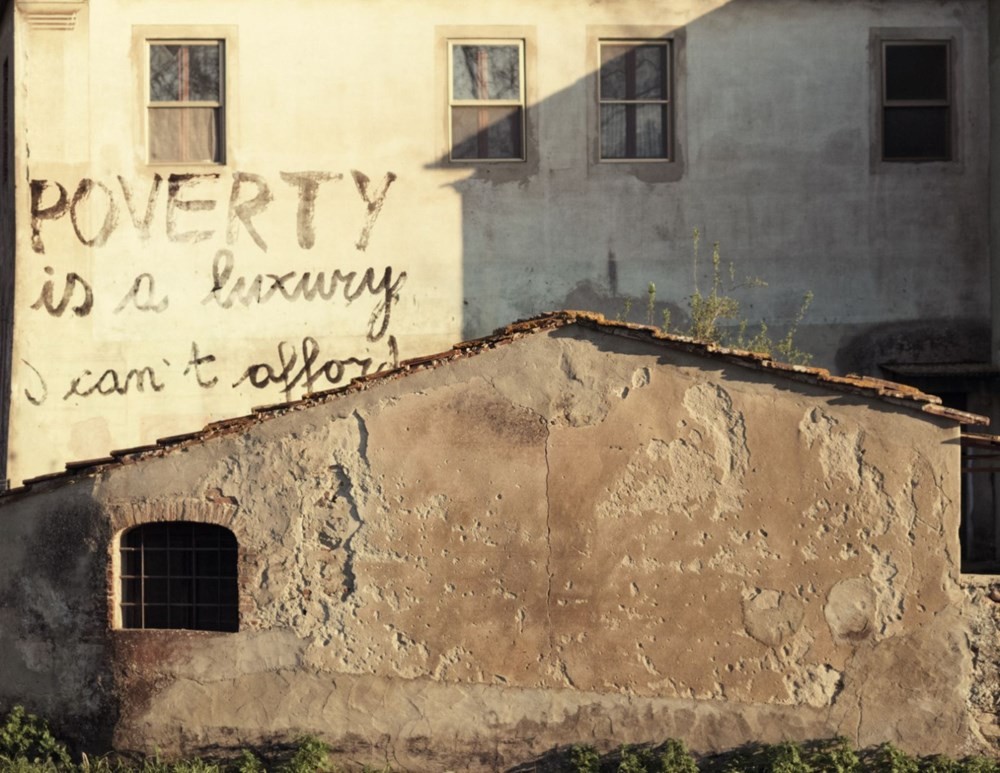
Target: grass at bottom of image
[[28, 746]]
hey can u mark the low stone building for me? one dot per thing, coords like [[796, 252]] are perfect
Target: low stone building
[[571, 531]]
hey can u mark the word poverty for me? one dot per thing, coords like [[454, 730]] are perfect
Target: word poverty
[[249, 195]]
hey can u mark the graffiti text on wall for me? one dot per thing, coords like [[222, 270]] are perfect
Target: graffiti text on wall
[[250, 195], [174, 208]]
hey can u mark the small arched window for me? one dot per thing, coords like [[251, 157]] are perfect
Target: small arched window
[[179, 575]]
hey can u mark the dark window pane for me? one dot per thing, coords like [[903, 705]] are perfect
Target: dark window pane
[[916, 71], [227, 563], [180, 534], [480, 132], [132, 538], [157, 616], [181, 591], [155, 563], [180, 616], [156, 535], [633, 131], [132, 591], [181, 563], [650, 72], [227, 540], [650, 131], [228, 593], [206, 618], [633, 72], [206, 563], [164, 73], [131, 563], [208, 591], [229, 619], [131, 616], [206, 535], [486, 72], [613, 131], [156, 591], [184, 73], [613, 72], [204, 73], [916, 133]]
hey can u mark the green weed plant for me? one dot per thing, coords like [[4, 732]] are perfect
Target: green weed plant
[[716, 313], [28, 746]]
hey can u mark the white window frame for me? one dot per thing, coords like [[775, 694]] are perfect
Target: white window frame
[[668, 102], [520, 102], [219, 105]]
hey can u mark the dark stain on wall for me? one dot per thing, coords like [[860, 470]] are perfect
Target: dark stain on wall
[[925, 341]]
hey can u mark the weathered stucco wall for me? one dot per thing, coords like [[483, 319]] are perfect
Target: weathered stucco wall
[[151, 298], [574, 537]]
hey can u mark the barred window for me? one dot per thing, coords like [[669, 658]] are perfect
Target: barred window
[[179, 575]]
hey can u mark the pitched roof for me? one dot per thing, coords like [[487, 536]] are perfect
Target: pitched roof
[[890, 392]]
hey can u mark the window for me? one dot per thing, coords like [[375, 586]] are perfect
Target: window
[[916, 100], [634, 100], [179, 575], [486, 100], [185, 101]]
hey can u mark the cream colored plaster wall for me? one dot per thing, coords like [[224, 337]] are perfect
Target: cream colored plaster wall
[[158, 309], [7, 86], [569, 538]]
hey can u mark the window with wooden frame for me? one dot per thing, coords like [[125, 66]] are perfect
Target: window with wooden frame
[[634, 96], [179, 574], [916, 100], [186, 101], [486, 100]]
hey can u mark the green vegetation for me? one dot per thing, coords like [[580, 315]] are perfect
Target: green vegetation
[[25, 740], [27, 746], [716, 315]]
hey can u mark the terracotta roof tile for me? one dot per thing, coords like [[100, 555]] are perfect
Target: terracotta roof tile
[[891, 392]]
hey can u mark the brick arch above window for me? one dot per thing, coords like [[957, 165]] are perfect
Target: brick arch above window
[[179, 575]]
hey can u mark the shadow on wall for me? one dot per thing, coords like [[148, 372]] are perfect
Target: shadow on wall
[[527, 199], [58, 648], [581, 197]]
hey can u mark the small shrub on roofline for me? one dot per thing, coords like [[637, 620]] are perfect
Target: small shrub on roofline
[[717, 312]]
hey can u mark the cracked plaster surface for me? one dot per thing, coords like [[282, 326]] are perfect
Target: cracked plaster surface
[[609, 536]]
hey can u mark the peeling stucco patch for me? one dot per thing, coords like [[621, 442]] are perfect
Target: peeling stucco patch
[[815, 685], [981, 610], [703, 465], [850, 609], [771, 616]]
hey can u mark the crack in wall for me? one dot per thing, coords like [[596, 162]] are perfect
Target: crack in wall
[[861, 721], [345, 488]]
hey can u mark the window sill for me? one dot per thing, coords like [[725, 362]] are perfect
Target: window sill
[[917, 168], [654, 170]]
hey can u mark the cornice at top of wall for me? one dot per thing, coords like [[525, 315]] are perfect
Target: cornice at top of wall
[[50, 14]]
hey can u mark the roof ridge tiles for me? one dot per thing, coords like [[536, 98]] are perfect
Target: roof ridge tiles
[[889, 391]]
